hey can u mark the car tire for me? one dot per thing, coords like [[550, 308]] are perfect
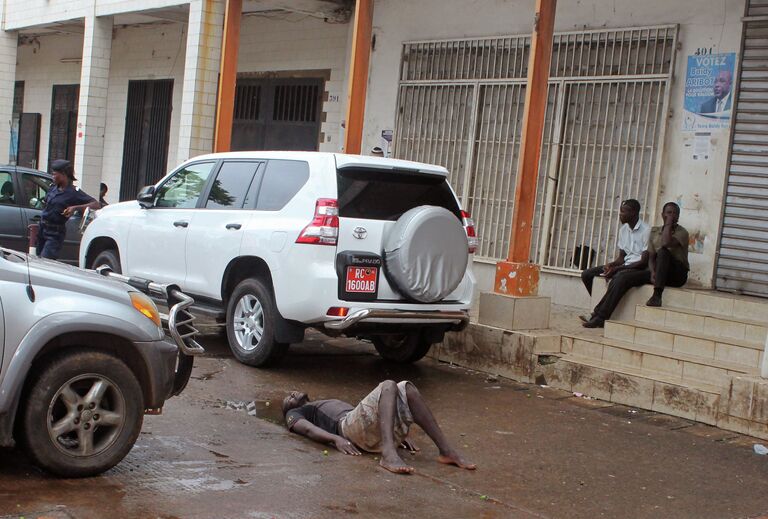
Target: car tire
[[251, 314], [96, 400], [109, 258], [401, 348]]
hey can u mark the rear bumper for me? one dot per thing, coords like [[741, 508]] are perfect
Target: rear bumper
[[457, 318]]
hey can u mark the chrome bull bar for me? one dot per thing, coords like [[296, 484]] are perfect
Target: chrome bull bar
[[179, 320]]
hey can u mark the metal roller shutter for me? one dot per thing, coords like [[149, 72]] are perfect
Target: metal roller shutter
[[742, 264]]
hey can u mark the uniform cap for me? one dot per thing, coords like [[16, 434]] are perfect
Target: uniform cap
[[60, 165]]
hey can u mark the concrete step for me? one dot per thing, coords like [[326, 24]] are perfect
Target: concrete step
[[709, 301], [727, 327], [717, 303], [662, 362], [735, 351], [637, 387]]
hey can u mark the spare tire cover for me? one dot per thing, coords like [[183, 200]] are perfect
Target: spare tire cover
[[425, 254]]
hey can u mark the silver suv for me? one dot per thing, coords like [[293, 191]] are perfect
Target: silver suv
[[82, 358]]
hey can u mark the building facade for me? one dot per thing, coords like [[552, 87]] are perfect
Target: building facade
[[127, 89]]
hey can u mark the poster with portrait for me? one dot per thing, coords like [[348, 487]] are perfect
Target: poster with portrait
[[709, 83]]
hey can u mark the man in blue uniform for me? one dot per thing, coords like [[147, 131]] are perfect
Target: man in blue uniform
[[61, 202]]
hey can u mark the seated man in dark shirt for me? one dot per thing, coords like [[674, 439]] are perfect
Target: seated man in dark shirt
[[379, 423]]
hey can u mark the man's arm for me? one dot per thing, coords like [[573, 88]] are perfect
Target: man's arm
[[639, 264], [611, 268], [306, 428], [619, 259], [69, 211], [86, 201]]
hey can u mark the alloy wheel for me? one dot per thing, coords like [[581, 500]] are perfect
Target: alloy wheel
[[86, 415], [248, 322]]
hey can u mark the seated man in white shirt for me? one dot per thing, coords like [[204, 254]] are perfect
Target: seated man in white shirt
[[631, 258]]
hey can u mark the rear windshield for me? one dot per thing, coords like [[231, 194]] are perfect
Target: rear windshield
[[386, 195]]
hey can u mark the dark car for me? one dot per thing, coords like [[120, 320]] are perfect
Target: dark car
[[22, 192]]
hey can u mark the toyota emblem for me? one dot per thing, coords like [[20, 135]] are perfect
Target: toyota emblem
[[360, 233]]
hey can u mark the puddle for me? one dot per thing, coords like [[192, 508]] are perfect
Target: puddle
[[269, 410]]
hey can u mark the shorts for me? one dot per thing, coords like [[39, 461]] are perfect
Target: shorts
[[362, 427]]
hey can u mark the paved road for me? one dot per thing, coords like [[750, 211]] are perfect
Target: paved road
[[541, 453]]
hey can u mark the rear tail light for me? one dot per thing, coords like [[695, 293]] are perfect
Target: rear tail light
[[324, 227], [469, 227]]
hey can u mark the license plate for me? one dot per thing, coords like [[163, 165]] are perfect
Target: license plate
[[361, 280]]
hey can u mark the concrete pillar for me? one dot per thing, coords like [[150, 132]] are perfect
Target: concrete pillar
[[517, 276], [8, 46], [228, 76], [201, 72], [358, 76], [92, 105]]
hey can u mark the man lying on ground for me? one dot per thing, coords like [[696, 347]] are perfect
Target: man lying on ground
[[379, 423]]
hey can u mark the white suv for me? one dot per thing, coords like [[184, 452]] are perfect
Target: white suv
[[274, 242]]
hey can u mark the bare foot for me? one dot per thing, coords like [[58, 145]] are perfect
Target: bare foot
[[453, 458], [395, 464]]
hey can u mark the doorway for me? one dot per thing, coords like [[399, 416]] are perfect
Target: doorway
[[63, 123], [277, 114], [147, 132]]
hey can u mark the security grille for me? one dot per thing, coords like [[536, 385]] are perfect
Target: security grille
[[247, 102], [461, 105], [742, 263], [296, 103]]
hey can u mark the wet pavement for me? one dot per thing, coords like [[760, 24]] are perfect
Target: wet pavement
[[540, 452]]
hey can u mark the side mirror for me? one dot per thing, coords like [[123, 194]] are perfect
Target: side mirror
[[146, 197]]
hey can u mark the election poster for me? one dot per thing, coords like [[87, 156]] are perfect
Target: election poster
[[708, 99]]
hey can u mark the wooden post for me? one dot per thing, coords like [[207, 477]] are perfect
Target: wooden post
[[225, 103], [517, 276], [358, 73]]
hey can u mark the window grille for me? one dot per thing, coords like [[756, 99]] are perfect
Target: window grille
[[461, 103]]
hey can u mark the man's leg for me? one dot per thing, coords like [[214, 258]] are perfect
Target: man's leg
[[40, 242], [619, 285], [52, 246], [588, 275], [423, 417], [677, 275], [669, 272], [390, 460]]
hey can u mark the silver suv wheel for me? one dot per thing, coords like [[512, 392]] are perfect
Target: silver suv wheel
[[82, 414], [251, 324], [248, 322], [86, 415]]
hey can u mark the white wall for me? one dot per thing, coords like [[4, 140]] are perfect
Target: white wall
[[39, 66], [21, 14], [293, 42], [703, 23], [141, 52]]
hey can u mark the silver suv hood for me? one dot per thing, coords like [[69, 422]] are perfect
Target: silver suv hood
[[53, 274]]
